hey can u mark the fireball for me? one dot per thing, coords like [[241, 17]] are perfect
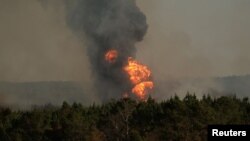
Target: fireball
[[136, 71], [111, 56], [139, 76], [142, 88]]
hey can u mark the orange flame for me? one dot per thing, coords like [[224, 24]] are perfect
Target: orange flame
[[141, 89], [139, 76], [111, 56], [137, 72]]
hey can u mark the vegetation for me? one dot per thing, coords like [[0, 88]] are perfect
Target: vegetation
[[172, 120]]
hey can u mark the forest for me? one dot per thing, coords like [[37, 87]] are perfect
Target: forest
[[175, 119]]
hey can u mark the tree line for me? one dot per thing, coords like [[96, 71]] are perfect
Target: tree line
[[126, 119]]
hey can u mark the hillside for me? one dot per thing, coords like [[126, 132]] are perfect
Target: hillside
[[26, 94]]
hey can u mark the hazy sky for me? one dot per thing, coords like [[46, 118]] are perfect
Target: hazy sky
[[185, 39], [36, 44], [197, 37]]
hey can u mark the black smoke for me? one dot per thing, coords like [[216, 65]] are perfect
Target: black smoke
[[108, 24]]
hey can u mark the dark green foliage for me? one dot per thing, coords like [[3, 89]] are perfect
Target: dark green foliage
[[124, 120]]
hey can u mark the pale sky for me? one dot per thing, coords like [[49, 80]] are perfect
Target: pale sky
[[195, 38]]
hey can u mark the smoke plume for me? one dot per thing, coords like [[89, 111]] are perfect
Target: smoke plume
[[107, 25]]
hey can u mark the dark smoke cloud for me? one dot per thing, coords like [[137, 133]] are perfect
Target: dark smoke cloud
[[108, 24]]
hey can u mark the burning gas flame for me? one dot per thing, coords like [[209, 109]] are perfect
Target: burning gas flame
[[139, 76], [142, 88], [111, 56], [136, 71]]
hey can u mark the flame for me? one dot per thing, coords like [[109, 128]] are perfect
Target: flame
[[111, 56], [139, 76], [141, 89], [137, 72]]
